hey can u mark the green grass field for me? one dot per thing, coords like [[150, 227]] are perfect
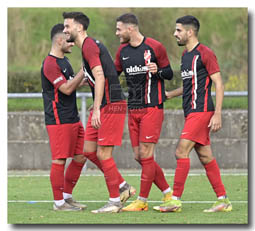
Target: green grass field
[[30, 104], [30, 202]]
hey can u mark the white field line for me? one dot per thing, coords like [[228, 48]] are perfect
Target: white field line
[[172, 174], [185, 202]]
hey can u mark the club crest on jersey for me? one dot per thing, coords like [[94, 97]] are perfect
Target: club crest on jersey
[[147, 56]]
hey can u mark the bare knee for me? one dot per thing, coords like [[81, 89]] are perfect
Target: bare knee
[[90, 146], [136, 154], [181, 153], [204, 154], [146, 150], [205, 159], [59, 161], [104, 152], [183, 149], [80, 158]]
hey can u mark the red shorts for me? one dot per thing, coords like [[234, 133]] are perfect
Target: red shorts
[[66, 140], [145, 125], [112, 118], [196, 127]]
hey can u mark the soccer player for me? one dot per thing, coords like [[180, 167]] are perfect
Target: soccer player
[[145, 65], [106, 120], [65, 130], [199, 68]]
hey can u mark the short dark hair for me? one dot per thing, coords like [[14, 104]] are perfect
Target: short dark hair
[[58, 28], [128, 18], [78, 17], [189, 20]]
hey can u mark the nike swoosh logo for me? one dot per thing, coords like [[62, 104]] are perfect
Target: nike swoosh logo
[[125, 58], [101, 139], [183, 133], [148, 137], [64, 71]]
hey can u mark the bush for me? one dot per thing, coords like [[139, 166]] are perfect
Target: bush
[[24, 81], [28, 82]]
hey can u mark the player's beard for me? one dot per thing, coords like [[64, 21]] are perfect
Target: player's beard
[[67, 50], [71, 39], [125, 39], [181, 42]]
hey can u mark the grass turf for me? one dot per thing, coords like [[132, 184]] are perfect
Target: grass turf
[[92, 188]]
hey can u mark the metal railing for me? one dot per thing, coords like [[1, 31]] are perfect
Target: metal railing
[[85, 95], [82, 95]]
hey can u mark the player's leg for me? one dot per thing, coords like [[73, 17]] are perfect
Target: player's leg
[[90, 148], [213, 173], [59, 144], [183, 150], [146, 160], [152, 124], [144, 130], [90, 151], [57, 181], [90, 144], [74, 169], [57, 184], [110, 135], [111, 173], [159, 179]]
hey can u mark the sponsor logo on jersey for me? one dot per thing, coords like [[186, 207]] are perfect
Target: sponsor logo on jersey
[[57, 80], [136, 70], [186, 74]]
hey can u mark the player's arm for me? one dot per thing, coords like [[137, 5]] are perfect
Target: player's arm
[[84, 81], [174, 93], [215, 122], [98, 74], [162, 68], [117, 62], [166, 72], [163, 73], [68, 87]]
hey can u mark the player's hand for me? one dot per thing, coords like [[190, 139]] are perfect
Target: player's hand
[[84, 82], [153, 68], [80, 73], [95, 120], [168, 95], [215, 122]]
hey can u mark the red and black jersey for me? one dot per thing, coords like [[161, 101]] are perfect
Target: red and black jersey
[[58, 107], [196, 68], [144, 88], [94, 53]]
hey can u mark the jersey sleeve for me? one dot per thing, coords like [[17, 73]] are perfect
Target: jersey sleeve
[[161, 55], [53, 73], [117, 60], [210, 61], [91, 53]]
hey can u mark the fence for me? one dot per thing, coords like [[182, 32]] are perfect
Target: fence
[[84, 95], [23, 142]]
